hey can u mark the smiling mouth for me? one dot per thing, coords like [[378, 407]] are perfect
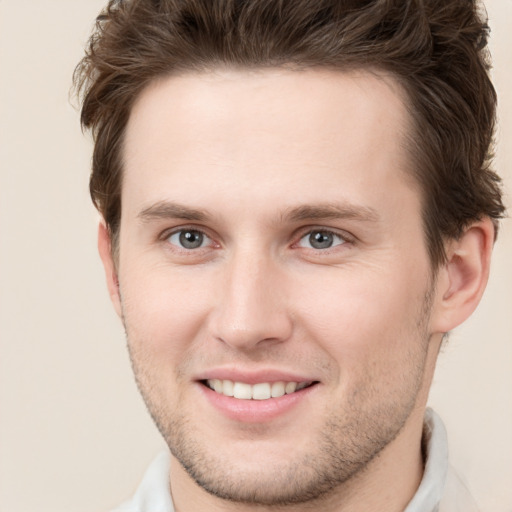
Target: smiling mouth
[[260, 391]]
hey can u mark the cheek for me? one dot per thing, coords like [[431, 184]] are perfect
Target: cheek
[[368, 319], [163, 311]]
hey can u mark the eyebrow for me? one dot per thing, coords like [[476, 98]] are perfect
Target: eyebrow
[[332, 211], [168, 210]]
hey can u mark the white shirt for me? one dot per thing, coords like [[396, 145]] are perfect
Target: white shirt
[[440, 490]]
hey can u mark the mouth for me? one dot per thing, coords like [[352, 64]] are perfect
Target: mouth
[[258, 391]]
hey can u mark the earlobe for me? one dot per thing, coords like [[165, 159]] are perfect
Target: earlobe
[[463, 278], [105, 250]]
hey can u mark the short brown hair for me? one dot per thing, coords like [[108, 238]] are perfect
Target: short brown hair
[[436, 49]]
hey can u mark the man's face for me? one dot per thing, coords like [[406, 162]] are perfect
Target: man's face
[[270, 237]]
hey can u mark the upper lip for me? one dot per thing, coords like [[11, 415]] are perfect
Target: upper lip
[[254, 376]]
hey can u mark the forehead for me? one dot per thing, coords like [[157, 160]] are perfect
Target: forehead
[[272, 132]]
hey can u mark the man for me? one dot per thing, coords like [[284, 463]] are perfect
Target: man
[[297, 207]]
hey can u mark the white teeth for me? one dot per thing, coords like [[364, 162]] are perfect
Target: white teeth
[[260, 391], [242, 391], [227, 388], [290, 387], [217, 385], [277, 389]]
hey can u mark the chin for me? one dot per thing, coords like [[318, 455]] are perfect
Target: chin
[[273, 473]]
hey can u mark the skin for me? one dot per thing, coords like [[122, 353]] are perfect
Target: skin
[[257, 161]]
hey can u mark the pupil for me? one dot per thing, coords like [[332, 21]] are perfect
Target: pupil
[[191, 239], [320, 240]]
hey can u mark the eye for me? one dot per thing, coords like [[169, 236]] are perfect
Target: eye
[[321, 239], [189, 239]]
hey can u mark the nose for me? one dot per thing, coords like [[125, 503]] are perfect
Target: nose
[[251, 308]]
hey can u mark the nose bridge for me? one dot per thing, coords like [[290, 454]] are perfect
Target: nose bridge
[[251, 308]]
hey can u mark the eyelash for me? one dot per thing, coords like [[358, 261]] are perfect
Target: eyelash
[[345, 238], [184, 229]]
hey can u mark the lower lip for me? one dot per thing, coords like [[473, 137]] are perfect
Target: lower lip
[[255, 411]]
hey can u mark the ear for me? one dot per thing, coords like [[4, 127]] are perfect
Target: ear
[[105, 250], [461, 281]]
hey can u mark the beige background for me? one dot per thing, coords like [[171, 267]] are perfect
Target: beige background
[[74, 435]]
